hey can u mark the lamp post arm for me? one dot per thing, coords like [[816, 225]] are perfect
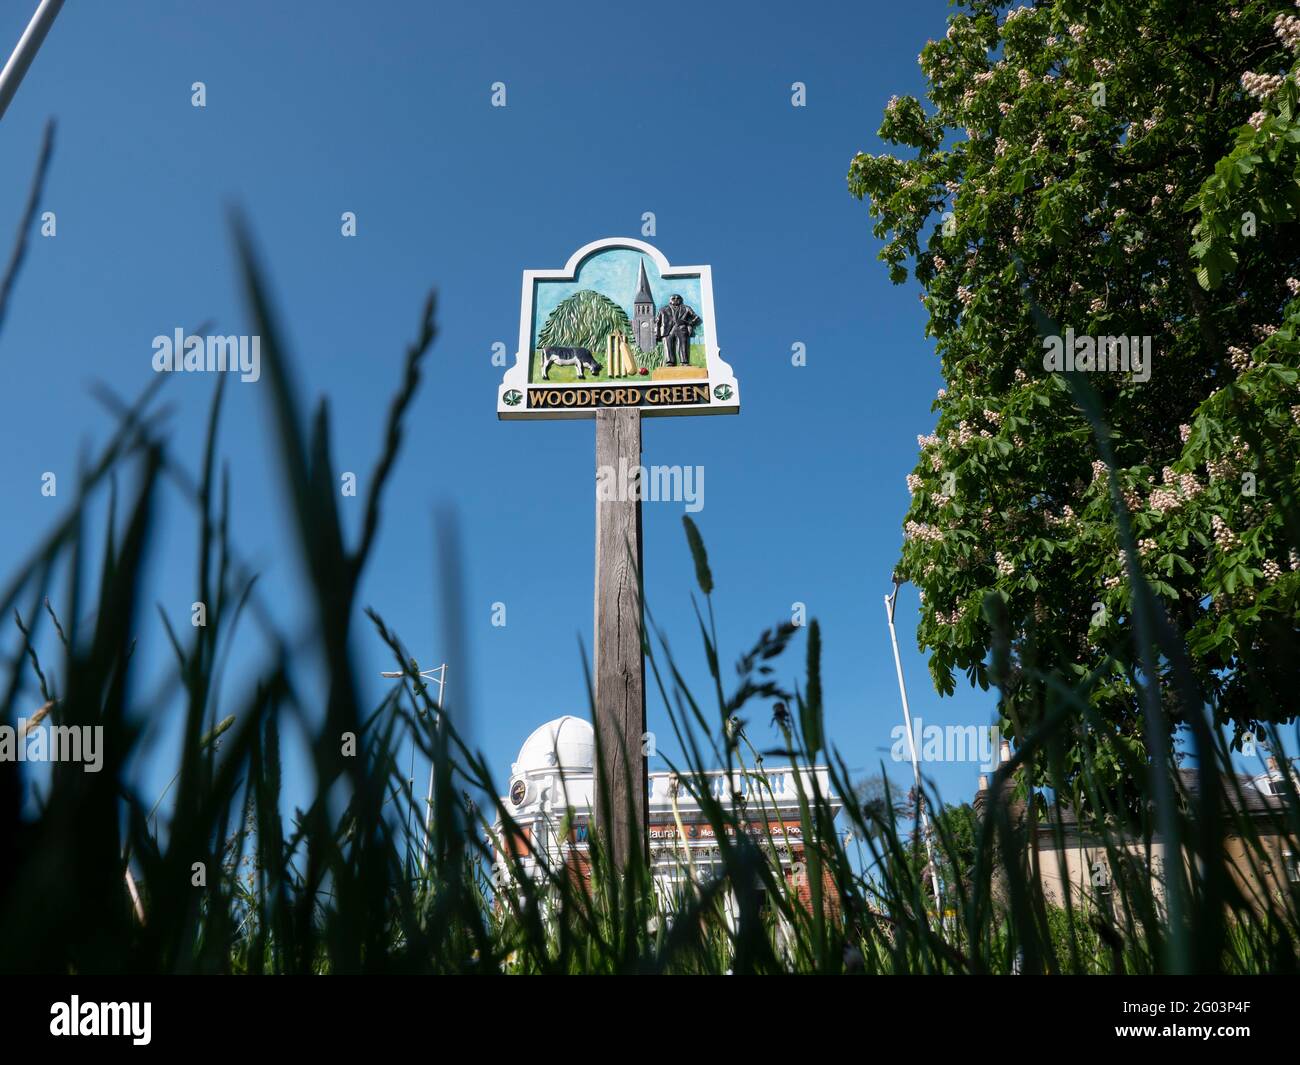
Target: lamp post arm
[[28, 45]]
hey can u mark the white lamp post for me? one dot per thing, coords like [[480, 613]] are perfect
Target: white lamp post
[[439, 676], [890, 601]]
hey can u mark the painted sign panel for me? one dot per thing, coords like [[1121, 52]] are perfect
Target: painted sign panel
[[618, 326]]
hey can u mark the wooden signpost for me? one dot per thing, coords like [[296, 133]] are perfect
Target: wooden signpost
[[615, 334], [619, 687]]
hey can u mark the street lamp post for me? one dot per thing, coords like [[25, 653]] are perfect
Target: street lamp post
[[439, 676], [891, 601]]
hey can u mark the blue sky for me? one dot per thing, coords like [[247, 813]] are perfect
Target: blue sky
[[384, 109]]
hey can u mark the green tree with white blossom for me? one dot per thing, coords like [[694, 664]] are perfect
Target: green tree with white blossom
[[1128, 169]]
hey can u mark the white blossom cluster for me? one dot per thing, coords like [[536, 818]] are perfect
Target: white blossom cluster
[[1219, 469], [1164, 500], [1177, 488], [1224, 537], [947, 619], [1261, 85], [1064, 518], [1239, 358], [936, 461], [924, 531], [1287, 28]]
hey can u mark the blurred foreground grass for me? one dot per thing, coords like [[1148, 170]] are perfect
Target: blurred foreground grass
[[97, 879]]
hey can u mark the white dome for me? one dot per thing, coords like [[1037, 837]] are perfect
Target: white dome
[[567, 743]]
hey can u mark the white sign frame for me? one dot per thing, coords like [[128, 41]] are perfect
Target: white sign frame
[[723, 389]]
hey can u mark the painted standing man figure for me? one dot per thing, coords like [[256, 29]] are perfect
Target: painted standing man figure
[[674, 327]]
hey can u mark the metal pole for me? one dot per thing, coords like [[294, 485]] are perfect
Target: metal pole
[[428, 802], [420, 674], [28, 45], [890, 601]]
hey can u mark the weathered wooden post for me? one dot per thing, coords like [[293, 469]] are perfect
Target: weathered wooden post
[[669, 345], [620, 666]]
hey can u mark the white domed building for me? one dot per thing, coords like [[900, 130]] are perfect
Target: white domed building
[[555, 769], [552, 790]]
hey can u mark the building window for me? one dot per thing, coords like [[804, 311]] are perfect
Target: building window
[[1291, 863]]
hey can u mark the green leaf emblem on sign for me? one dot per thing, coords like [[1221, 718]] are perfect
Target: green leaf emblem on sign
[[723, 392], [513, 397]]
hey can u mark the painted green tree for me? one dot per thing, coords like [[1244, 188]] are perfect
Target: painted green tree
[[1115, 169], [584, 320]]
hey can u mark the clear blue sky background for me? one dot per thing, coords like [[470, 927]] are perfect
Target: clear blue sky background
[[383, 108]]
